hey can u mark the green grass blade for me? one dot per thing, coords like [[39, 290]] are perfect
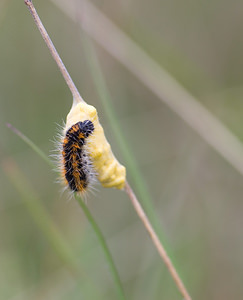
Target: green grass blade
[[104, 247], [36, 209]]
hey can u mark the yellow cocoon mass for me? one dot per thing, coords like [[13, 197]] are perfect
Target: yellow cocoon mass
[[109, 171]]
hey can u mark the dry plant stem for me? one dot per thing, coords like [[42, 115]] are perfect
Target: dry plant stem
[[157, 242], [76, 96]]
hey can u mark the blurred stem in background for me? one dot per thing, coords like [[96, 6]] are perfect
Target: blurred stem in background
[[168, 90]]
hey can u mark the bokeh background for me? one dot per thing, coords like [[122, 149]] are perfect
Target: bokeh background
[[196, 194]]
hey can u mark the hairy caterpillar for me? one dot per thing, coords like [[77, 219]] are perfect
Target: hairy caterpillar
[[76, 164]]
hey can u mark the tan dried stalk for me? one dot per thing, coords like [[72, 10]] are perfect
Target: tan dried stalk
[[76, 96], [157, 242]]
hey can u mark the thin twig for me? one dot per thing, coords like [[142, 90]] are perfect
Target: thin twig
[[76, 95], [157, 242], [160, 82]]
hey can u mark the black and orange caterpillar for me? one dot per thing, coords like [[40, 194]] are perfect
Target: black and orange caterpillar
[[77, 168]]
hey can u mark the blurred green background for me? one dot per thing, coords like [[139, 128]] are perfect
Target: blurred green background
[[196, 193]]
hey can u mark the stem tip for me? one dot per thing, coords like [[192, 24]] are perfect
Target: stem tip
[[28, 2]]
